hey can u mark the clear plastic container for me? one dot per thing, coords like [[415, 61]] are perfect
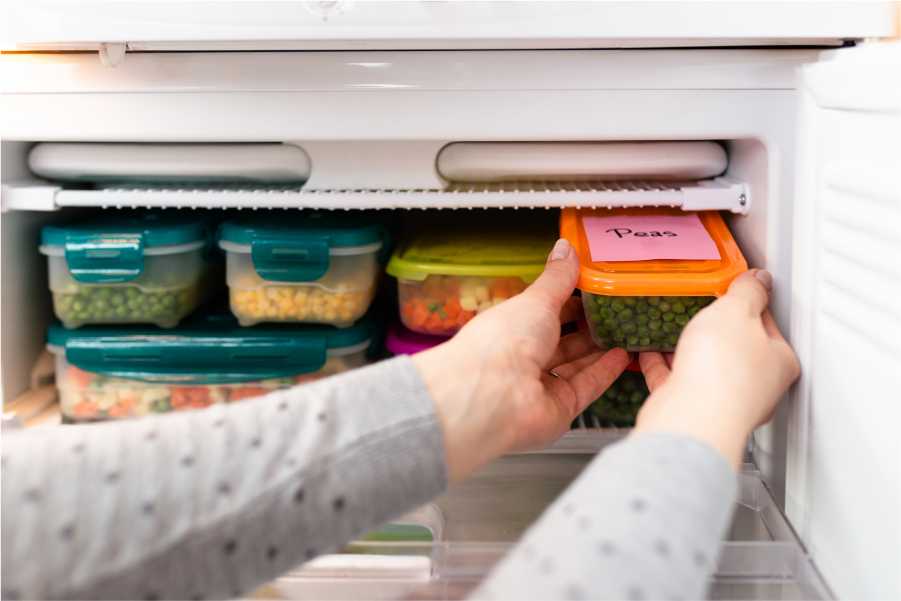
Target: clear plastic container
[[130, 267], [403, 341], [308, 267], [195, 365], [448, 274], [644, 305]]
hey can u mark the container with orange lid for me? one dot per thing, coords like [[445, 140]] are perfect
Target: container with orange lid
[[645, 272]]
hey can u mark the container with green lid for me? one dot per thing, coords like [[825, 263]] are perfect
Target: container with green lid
[[455, 269], [305, 266], [106, 372], [131, 266]]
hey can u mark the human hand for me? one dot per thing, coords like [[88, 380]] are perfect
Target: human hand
[[729, 371], [490, 382]]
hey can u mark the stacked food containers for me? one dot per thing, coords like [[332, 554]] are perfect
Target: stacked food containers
[[306, 266], [106, 372], [131, 267], [447, 275], [646, 272]]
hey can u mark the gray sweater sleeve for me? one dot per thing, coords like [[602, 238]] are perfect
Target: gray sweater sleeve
[[641, 522], [212, 503]]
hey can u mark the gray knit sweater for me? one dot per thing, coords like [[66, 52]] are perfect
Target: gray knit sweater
[[212, 503]]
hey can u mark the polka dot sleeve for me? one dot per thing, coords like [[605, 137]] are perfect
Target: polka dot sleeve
[[641, 522], [209, 504]]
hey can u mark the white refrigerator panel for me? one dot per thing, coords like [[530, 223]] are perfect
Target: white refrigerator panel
[[844, 459], [346, 25]]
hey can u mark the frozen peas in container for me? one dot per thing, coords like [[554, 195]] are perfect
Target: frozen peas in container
[[305, 266], [449, 273], [619, 404], [131, 267], [109, 372], [645, 272]]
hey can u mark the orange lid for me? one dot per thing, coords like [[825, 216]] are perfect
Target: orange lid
[[658, 277]]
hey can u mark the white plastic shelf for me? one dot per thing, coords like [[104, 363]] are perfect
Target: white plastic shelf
[[725, 194]]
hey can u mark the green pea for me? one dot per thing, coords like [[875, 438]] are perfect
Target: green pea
[[607, 340], [121, 310], [661, 344], [629, 385], [678, 308], [608, 312], [629, 301], [653, 300], [131, 292], [611, 324], [611, 392], [655, 324], [693, 311], [593, 305], [654, 313], [672, 338], [596, 318], [669, 316], [632, 340], [642, 319], [168, 301], [619, 335], [664, 306], [618, 305], [657, 334], [83, 316], [603, 300], [703, 301], [671, 299], [624, 315], [601, 331], [642, 306], [433, 307], [669, 326], [643, 331], [100, 304], [78, 306], [644, 341], [629, 327], [636, 397], [133, 304], [622, 397], [688, 301], [682, 319], [117, 299]]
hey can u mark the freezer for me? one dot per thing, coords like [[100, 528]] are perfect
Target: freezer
[[779, 121]]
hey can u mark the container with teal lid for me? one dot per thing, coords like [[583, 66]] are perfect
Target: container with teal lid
[[451, 271], [131, 267], [107, 372], [305, 266]]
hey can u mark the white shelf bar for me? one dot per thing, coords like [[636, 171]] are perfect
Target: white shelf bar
[[716, 194]]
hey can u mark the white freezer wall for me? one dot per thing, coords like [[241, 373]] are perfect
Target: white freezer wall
[[407, 105], [844, 462]]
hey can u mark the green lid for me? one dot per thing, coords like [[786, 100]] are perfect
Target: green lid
[[110, 247], [295, 246], [502, 246], [209, 348]]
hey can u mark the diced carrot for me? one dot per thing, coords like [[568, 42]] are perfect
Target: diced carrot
[[420, 315], [79, 378], [433, 323], [118, 410], [465, 316], [85, 409], [246, 393], [499, 289], [409, 306], [449, 323], [179, 397], [452, 307]]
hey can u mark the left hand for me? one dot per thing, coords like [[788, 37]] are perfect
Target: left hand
[[490, 382]]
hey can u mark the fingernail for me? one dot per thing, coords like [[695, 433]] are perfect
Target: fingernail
[[561, 250], [765, 278]]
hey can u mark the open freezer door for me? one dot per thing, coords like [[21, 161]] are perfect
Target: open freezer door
[[843, 472]]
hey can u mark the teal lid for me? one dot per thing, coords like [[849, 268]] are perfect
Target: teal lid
[[295, 246], [110, 247], [209, 349]]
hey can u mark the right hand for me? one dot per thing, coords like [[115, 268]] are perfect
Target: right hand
[[729, 371]]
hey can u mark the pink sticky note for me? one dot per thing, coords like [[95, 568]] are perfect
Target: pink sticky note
[[646, 237]]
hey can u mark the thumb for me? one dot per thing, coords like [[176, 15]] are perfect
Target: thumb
[[753, 287], [556, 284]]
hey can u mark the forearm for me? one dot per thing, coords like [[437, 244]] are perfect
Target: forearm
[[215, 502], [642, 522]]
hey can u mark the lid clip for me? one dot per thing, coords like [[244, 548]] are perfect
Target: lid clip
[[105, 259], [294, 259]]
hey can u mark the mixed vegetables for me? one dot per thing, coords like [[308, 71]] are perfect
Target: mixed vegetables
[[640, 323], [442, 304]]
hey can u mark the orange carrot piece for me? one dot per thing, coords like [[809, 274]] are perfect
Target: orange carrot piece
[[420, 315], [452, 308], [449, 323], [465, 316], [433, 323], [79, 378], [499, 289]]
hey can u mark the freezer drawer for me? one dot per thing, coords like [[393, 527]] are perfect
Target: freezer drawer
[[760, 558]]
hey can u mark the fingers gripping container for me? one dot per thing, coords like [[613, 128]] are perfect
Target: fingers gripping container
[[308, 266], [107, 372], [131, 267], [644, 305], [448, 275]]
